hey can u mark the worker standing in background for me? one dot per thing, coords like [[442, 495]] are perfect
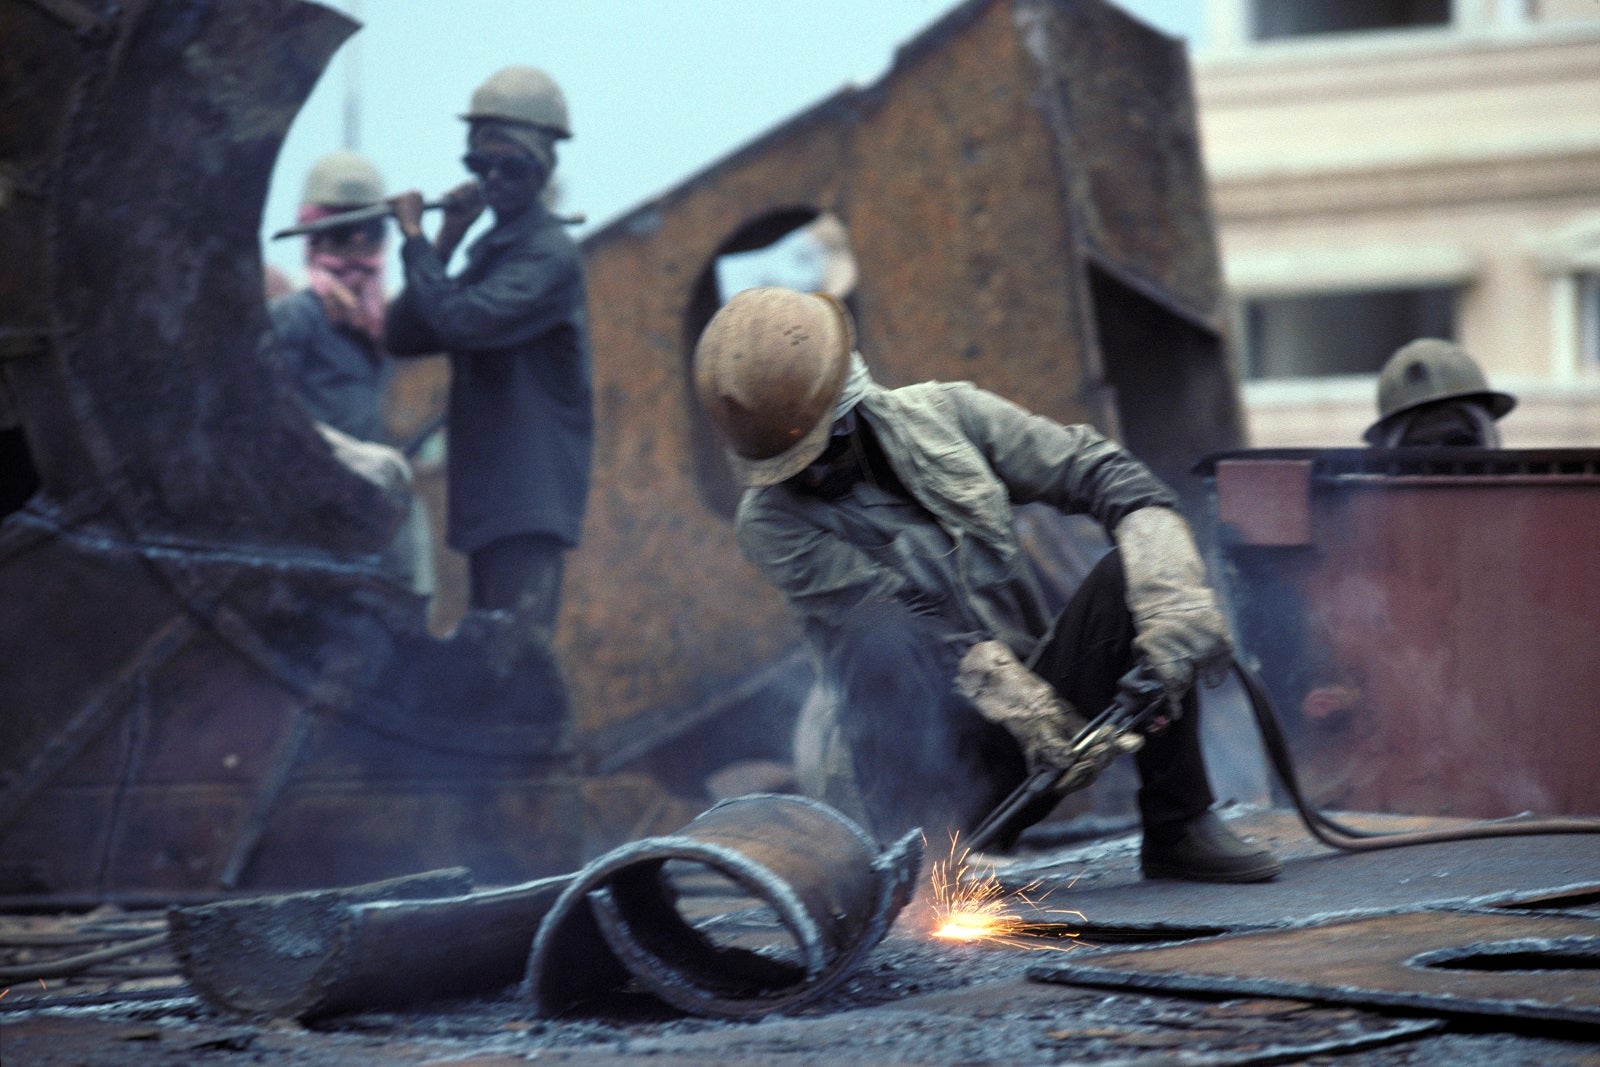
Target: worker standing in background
[[330, 335], [885, 516], [1431, 392], [513, 323]]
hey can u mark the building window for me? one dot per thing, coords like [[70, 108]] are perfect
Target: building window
[[1325, 334], [1276, 19], [1589, 320]]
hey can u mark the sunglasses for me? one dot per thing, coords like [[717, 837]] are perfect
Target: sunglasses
[[512, 168], [367, 232]]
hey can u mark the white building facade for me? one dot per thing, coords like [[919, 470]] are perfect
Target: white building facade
[[1383, 170]]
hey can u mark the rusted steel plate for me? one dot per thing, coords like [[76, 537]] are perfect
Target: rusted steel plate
[[1102, 881], [832, 892], [1265, 503], [1518, 970]]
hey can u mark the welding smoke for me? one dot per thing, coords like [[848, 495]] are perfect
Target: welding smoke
[[886, 726]]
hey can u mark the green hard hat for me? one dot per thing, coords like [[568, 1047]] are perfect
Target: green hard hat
[[343, 179], [1429, 370]]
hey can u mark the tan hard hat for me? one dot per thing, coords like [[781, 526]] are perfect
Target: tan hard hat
[[343, 179], [521, 94], [1429, 370], [768, 369]]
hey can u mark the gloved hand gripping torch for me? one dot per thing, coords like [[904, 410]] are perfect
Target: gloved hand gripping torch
[[1139, 705]]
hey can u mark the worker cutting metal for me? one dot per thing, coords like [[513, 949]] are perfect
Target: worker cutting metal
[[885, 517]]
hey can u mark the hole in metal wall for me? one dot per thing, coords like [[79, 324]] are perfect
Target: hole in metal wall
[[796, 248]]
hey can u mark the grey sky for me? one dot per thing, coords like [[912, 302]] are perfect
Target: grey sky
[[657, 88]]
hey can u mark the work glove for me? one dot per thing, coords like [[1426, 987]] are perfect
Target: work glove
[[381, 465], [1179, 629], [1045, 726]]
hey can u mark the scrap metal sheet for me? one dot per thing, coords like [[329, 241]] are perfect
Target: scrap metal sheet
[[1489, 965], [1103, 881]]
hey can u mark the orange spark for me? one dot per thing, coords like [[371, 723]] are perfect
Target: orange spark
[[970, 907]]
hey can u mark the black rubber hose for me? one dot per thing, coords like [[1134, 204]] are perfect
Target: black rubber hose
[[1349, 839]]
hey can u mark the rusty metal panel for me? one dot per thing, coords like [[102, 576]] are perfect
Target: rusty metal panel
[[1430, 650], [1023, 196], [1265, 503], [1142, 199], [1517, 970]]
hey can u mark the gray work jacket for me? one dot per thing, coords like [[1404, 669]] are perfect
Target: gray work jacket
[[968, 457], [521, 394], [338, 374]]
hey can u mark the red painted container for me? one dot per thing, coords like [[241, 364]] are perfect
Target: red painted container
[[1425, 620]]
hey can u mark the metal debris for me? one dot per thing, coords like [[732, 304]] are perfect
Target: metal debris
[[312, 955], [309, 955], [1518, 970], [1317, 883], [830, 889]]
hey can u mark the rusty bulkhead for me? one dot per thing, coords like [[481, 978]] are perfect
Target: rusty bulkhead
[[222, 694]]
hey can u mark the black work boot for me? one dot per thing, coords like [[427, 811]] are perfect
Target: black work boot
[[1205, 850]]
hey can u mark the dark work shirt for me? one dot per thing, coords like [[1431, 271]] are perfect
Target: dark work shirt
[[521, 410], [339, 375]]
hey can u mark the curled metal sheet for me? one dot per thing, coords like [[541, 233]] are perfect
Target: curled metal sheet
[[832, 892]]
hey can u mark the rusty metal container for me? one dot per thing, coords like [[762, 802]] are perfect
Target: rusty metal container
[[1425, 620]]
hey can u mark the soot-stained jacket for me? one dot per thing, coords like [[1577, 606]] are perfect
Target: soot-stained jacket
[[338, 373], [968, 457], [521, 396]]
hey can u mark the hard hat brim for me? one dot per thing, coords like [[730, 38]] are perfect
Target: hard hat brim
[[754, 473], [1499, 404], [554, 131]]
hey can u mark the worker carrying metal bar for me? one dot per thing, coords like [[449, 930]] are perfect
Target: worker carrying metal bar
[[885, 516], [330, 335], [513, 321]]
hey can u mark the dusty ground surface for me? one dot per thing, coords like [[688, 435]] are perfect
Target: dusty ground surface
[[916, 1000]]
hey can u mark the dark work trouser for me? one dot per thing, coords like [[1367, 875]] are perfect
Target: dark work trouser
[[1088, 652], [924, 756], [519, 573]]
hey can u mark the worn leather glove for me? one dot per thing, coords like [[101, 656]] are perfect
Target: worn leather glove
[[1179, 628], [1007, 693]]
